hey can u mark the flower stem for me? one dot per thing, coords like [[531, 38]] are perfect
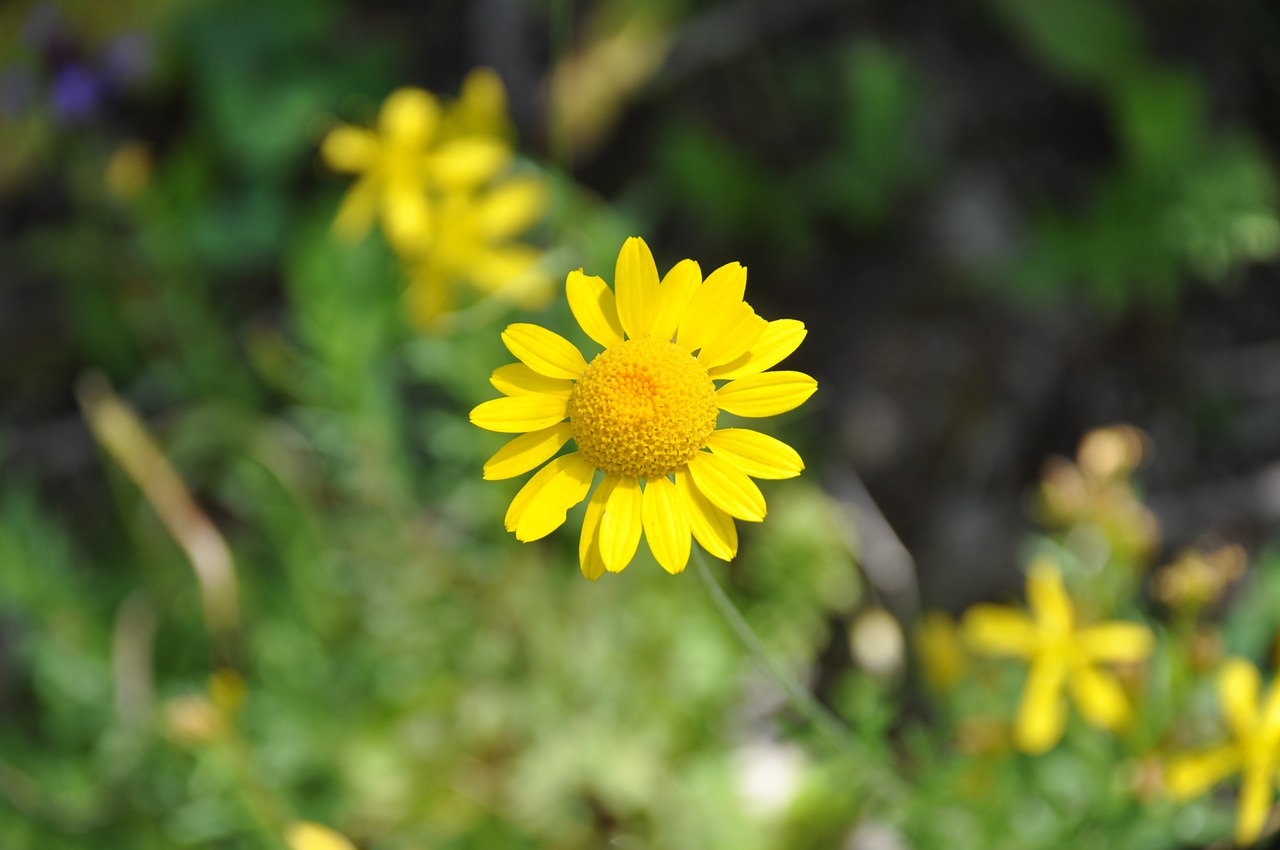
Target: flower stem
[[881, 778]]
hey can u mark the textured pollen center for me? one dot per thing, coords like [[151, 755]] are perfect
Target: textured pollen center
[[642, 409]]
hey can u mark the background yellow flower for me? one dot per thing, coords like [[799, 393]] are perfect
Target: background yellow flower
[[1062, 657], [399, 162], [1253, 750]]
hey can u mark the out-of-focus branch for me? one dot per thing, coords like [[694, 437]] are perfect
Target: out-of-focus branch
[[885, 561], [124, 437], [131, 658]]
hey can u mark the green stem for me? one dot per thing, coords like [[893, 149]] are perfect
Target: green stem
[[881, 778]]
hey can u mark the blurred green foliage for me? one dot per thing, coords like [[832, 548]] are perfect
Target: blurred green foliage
[[1185, 198]]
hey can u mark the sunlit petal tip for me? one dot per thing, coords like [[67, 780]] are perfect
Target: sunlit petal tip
[[756, 454], [666, 525], [544, 351], [621, 525], [595, 307], [635, 284], [674, 293], [526, 452], [711, 527], [519, 379], [589, 557], [766, 394], [547, 509], [520, 414], [781, 337], [727, 487]]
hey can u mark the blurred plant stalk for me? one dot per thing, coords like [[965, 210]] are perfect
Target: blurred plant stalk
[[122, 434]]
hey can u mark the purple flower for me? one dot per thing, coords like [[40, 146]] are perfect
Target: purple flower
[[76, 92]]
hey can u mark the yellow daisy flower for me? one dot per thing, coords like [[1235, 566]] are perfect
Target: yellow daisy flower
[[399, 162], [1254, 750], [1062, 656], [643, 412]]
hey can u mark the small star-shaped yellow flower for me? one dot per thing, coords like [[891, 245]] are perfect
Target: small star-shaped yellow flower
[[400, 162], [1253, 751], [1062, 656]]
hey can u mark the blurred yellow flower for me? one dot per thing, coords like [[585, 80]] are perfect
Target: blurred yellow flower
[[398, 165], [472, 244], [1062, 656], [940, 651], [191, 720], [481, 108], [644, 413], [1096, 491], [305, 835], [1199, 576], [1253, 751]]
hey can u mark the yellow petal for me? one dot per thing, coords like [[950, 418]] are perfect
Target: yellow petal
[[520, 414], [673, 298], [546, 511], [1238, 686], [531, 488], [1116, 642], [1042, 713], [635, 280], [467, 163], [756, 454], [712, 527], [305, 835], [720, 293], [766, 394], [481, 107], [1255, 801], [508, 270], [407, 219], [350, 149], [409, 117], [1269, 720], [594, 306], [780, 338], [512, 207], [1189, 776], [1099, 698], [519, 379], [544, 351], [998, 630], [1047, 597], [727, 487], [589, 557], [731, 335], [358, 210], [621, 524], [666, 525], [526, 451], [942, 657]]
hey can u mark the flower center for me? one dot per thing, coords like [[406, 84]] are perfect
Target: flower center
[[642, 409]]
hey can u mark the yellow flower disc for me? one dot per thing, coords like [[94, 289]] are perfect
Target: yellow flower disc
[[642, 409]]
